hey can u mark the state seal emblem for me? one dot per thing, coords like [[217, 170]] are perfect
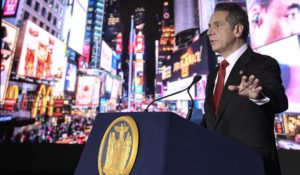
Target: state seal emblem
[[118, 148]]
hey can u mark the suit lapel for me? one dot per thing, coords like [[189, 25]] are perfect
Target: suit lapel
[[210, 90], [234, 78]]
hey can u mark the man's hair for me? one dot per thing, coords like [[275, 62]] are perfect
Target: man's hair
[[235, 16]]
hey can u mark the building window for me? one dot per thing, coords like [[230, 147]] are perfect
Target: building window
[[54, 21], [56, 8], [37, 6], [46, 1], [49, 16], [43, 12], [53, 32], [41, 24], [51, 3], [26, 15], [61, 12], [29, 2], [59, 24], [47, 28], [34, 19]]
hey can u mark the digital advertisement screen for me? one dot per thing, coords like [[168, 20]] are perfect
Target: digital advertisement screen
[[77, 24], [179, 85], [106, 57], [185, 63], [275, 31], [108, 83], [116, 88], [290, 67], [272, 21], [10, 8], [200, 88], [114, 63], [42, 56], [71, 77], [8, 46], [88, 93], [287, 125]]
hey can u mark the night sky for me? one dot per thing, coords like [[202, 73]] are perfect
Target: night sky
[[153, 14]]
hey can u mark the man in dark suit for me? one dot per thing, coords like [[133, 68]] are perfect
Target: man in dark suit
[[250, 92]]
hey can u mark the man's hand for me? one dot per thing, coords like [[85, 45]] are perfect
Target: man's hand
[[249, 87]]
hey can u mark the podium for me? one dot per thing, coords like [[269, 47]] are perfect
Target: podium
[[171, 145]]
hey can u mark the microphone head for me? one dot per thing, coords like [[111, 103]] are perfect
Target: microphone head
[[197, 78]]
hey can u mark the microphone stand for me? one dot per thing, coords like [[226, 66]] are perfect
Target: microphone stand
[[191, 108]]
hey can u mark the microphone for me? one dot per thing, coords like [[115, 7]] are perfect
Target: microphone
[[191, 108], [195, 80]]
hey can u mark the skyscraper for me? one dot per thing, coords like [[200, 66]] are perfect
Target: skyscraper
[[167, 38], [112, 25], [186, 18], [165, 45], [93, 34]]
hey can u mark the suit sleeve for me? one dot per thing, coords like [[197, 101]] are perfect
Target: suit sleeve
[[270, 79]]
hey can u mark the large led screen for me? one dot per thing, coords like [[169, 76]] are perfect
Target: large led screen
[[290, 67], [88, 90], [275, 31], [273, 20], [9, 34], [106, 57], [71, 75], [186, 62], [287, 124], [116, 88], [42, 56], [10, 8]]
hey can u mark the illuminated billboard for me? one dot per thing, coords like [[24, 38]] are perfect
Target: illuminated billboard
[[186, 62], [108, 83], [9, 34], [114, 63], [77, 25], [117, 84], [177, 86], [106, 57], [139, 43], [42, 55], [10, 8], [87, 93], [264, 29], [71, 76], [290, 67]]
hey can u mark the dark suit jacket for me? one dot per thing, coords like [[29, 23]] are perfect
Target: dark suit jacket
[[242, 120]]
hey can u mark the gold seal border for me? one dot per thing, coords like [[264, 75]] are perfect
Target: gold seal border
[[135, 143]]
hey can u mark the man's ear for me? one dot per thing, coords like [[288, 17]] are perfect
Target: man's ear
[[238, 30]]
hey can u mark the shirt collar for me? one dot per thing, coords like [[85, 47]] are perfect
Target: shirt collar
[[232, 58]]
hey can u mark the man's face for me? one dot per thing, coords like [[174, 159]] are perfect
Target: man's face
[[268, 24], [221, 34]]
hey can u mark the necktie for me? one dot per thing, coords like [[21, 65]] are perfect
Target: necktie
[[220, 84]]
